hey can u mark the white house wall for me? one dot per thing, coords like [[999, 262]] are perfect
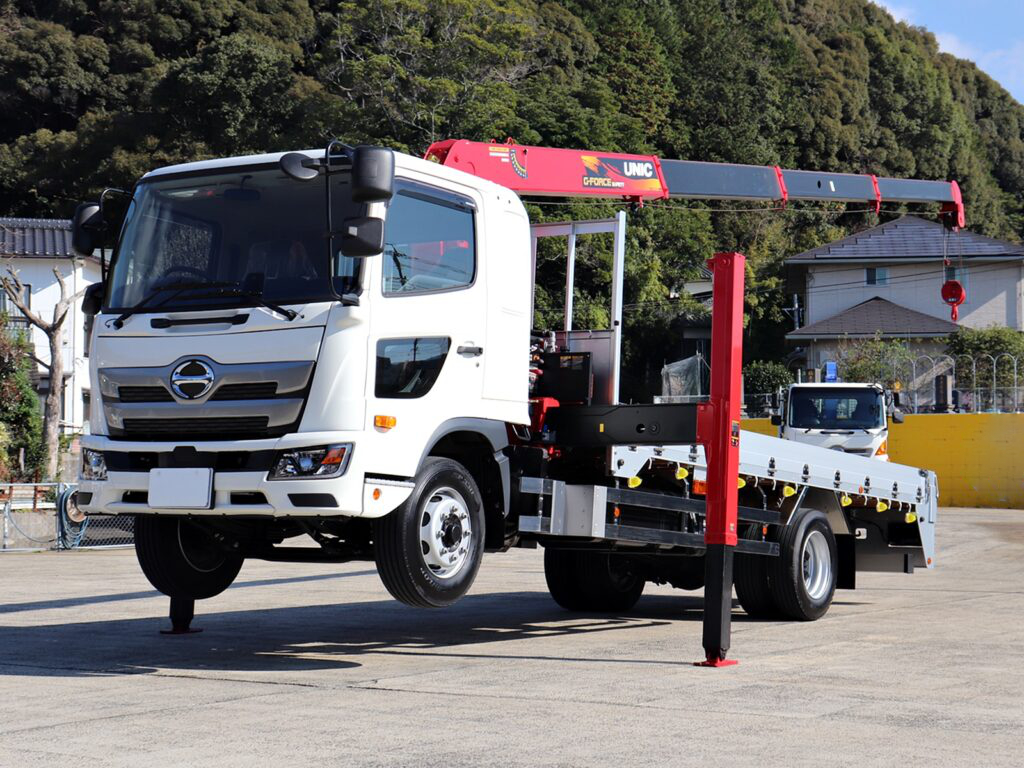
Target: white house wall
[[993, 291], [38, 273]]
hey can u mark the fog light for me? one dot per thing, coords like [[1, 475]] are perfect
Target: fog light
[[94, 466], [322, 461]]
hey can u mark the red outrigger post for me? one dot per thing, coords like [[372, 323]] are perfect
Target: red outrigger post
[[543, 171]]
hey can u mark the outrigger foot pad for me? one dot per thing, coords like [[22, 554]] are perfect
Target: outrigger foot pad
[[714, 660], [182, 613]]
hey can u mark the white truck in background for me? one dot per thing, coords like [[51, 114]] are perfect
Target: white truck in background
[[337, 344], [849, 417]]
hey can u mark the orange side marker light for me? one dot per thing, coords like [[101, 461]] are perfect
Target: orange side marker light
[[384, 422]]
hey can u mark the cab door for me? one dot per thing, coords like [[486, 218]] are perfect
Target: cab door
[[428, 319]]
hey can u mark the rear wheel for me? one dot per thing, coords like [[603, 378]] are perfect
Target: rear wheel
[[182, 559], [803, 576], [428, 551], [591, 581], [751, 580], [562, 573]]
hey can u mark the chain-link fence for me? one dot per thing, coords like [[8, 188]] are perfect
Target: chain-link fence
[[44, 516]]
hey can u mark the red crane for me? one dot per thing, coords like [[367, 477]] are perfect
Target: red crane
[[544, 171]]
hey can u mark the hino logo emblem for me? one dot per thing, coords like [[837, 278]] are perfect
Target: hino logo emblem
[[192, 379]]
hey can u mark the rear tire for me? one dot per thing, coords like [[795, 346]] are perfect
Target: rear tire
[[751, 580], [591, 581], [181, 559], [562, 573], [803, 576], [428, 551]]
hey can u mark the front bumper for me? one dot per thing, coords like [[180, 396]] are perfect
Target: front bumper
[[243, 493]]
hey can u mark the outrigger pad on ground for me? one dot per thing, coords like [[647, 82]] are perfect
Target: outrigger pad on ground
[[182, 613], [715, 661]]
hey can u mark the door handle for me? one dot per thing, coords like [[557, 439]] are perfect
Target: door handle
[[470, 351]]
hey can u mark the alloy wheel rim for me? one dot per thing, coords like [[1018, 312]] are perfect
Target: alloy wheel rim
[[817, 566], [446, 533]]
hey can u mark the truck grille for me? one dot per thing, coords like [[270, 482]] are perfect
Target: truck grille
[[246, 427], [143, 395], [157, 394], [255, 391]]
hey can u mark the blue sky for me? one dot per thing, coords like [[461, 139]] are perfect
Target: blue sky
[[988, 32]]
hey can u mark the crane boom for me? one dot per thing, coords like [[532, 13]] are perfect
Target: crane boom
[[546, 171]]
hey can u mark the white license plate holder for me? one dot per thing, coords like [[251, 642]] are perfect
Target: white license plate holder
[[188, 488]]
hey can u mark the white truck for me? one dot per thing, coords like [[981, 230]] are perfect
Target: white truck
[[337, 344], [848, 417]]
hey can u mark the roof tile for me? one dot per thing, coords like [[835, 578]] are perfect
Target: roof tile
[[876, 316], [910, 238], [36, 238]]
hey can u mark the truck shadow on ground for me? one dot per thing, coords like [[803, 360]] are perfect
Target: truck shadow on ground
[[297, 638]]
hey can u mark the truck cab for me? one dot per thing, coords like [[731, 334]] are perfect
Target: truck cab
[[848, 417]]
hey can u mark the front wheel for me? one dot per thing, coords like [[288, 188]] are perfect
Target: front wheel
[[182, 559], [428, 551], [803, 576]]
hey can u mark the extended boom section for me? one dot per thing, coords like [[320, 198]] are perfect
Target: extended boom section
[[545, 171]]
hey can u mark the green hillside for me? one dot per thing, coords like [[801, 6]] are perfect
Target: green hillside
[[95, 92]]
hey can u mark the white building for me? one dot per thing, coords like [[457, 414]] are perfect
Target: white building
[[35, 248], [886, 281]]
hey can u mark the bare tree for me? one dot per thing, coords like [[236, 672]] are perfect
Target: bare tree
[[54, 331]]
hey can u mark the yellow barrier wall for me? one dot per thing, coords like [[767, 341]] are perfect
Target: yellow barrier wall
[[979, 457]]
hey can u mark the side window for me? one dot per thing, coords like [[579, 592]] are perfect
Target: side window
[[409, 367], [430, 244], [877, 276]]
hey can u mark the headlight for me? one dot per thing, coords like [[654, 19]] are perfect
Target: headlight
[[94, 466], [322, 461]]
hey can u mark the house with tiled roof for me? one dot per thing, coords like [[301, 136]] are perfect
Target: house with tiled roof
[[35, 248], [886, 281]]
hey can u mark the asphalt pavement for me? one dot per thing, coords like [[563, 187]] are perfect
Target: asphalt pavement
[[303, 664]]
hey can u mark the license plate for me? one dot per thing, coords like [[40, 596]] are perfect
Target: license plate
[[180, 488]]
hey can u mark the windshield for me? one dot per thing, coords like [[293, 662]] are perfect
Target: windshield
[[836, 408], [255, 230]]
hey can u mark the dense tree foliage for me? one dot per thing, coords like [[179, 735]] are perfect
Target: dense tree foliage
[[94, 92], [21, 426]]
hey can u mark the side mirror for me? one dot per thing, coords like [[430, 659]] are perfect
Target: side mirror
[[776, 419], [299, 167], [93, 299], [897, 417], [87, 228], [373, 174], [896, 399], [362, 236]]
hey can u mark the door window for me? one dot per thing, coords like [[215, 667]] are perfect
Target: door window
[[430, 244], [408, 368]]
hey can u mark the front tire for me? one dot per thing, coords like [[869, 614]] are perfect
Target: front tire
[[428, 551], [803, 576], [182, 559]]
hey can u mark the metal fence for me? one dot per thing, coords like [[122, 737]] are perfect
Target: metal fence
[[44, 516], [976, 384]]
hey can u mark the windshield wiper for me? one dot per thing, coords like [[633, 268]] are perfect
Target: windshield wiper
[[234, 289], [175, 288]]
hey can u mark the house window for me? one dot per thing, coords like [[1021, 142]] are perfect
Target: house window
[[15, 319], [878, 275], [430, 244]]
